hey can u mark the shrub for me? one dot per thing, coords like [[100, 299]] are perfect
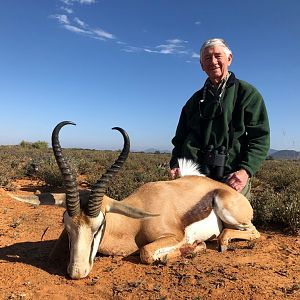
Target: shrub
[[35, 145], [25, 144], [40, 145], [276, 194]]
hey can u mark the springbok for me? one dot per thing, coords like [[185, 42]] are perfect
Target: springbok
[[162, 220]]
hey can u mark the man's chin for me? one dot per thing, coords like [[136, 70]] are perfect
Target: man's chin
[[215, 77], [216, 73]]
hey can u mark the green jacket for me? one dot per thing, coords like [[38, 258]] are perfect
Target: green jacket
[[251, 134]]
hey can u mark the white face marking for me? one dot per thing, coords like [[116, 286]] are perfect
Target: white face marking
[[97, 238], [84, 239]]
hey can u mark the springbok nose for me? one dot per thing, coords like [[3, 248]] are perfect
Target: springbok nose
[[76, 273]]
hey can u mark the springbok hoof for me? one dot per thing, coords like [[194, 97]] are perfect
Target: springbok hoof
[[222, 248]]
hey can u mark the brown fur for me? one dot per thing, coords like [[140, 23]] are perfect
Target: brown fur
[[179, 203]]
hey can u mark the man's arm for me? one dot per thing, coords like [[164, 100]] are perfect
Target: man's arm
[[179, 138], [258, 141]]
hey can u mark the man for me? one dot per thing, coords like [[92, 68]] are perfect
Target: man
[[224, 126]]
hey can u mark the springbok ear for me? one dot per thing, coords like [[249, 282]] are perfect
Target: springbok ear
[[58, 199], [129, 211], [60, 251]]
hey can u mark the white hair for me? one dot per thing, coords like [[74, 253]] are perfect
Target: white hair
[[188, 167], [214, 42]]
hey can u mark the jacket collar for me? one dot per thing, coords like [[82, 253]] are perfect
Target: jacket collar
[[231, 80]]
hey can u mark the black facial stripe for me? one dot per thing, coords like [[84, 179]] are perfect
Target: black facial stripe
[[95, 235]]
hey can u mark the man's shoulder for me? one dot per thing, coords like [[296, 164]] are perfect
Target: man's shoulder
[[246, 86], [195, 97], [248, 91], [192, 103]]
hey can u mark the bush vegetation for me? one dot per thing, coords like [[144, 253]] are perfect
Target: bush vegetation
[[35, 145], [275, 188]]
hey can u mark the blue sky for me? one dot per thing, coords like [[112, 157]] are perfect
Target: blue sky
[[135, 63]]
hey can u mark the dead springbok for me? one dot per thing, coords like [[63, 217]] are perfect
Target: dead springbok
[[161, 220]]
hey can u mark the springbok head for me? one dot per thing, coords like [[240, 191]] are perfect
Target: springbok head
[[84, 219]]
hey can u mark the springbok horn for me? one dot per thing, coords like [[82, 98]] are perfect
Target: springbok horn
[[99, 188], [72, 195]]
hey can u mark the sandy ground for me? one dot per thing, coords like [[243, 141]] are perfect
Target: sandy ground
[[268, 268]]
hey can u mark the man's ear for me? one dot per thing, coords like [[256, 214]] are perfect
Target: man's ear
[[61, 252], [201, 64], [229, 59]]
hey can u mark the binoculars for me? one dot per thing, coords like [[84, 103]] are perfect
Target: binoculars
[[213, 162]]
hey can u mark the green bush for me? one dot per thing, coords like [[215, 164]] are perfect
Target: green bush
[[40, 145], [276, 194], [25, 144], [35, 145]]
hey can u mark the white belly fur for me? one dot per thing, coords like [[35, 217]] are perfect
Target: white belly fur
[[200, 231], [204, 230]]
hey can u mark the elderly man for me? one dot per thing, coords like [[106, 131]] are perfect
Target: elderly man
[[224, 126]]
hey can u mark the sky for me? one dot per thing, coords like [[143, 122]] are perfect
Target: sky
[[135, 63]]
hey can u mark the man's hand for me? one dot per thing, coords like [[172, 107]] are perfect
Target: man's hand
[[175, 172], [238, 179]]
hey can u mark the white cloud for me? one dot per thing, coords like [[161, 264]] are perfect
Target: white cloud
[[67, 2], [79, 26], [87, 1], [67, 9], [76, 29], [165, 49], [70, 2], [79, 22], [150, 51], [62, 19], [173, 46], [197, 23], [132, 49], [176, 41], [103, 34]]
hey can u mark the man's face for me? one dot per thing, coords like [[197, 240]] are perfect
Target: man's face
[[215, 63]]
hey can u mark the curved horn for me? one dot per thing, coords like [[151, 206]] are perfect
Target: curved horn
[[72, 195], [99, 187]]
